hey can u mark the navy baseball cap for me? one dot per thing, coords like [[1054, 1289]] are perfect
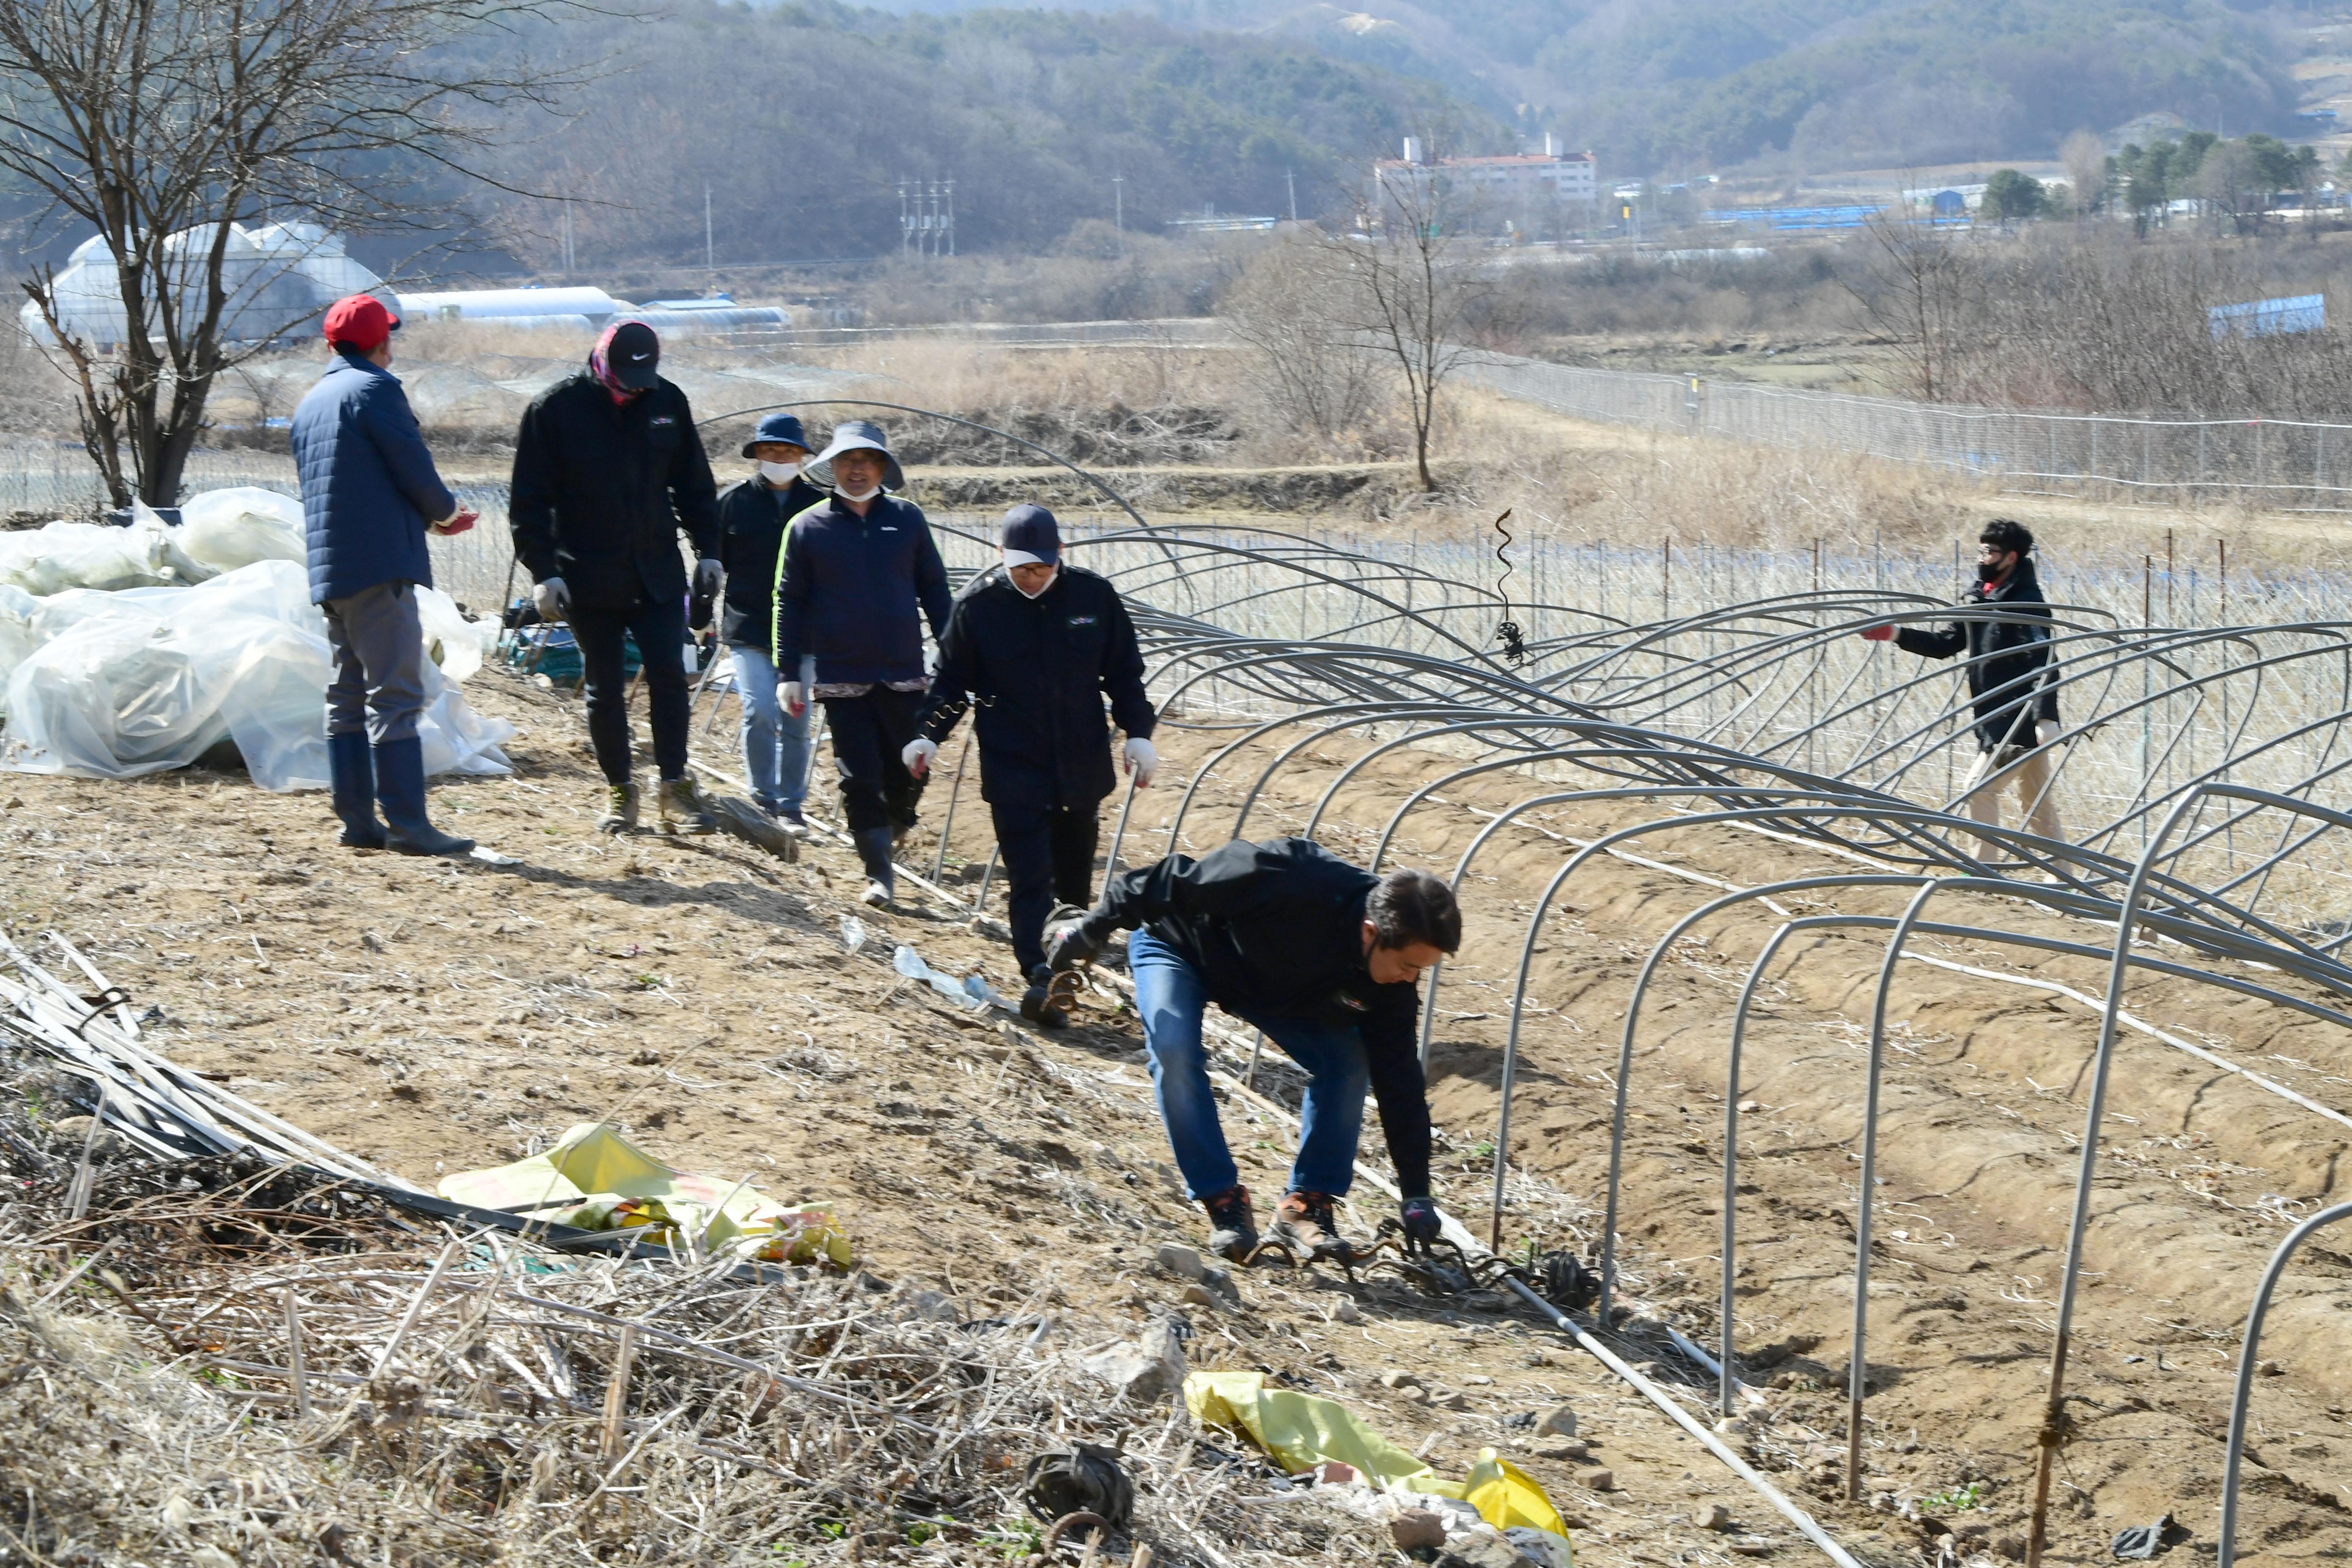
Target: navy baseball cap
[[1032, 537]]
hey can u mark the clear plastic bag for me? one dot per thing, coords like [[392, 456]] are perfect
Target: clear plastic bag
[[223, 529], [137, 683]]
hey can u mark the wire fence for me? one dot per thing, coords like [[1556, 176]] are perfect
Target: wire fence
[[2277, 463]]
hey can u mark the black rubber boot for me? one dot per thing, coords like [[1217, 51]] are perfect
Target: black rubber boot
[[400, 785], [874, 854], [351, 770], [1038, 1003], [1232, 1228]]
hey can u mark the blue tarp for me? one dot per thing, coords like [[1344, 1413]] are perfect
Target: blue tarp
[[2266, 318]]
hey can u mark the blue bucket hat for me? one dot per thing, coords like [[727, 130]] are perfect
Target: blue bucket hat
[[1031, 533], [779, 427], [860, 435]]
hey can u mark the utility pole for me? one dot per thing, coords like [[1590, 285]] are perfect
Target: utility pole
[[709, 251], [567, 239], [950, 214], [1290, 182]]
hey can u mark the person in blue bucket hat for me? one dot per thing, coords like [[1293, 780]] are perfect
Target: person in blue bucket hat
[[854, 571], [753, 516]]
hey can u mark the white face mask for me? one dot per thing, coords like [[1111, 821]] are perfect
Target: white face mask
[[1041, 587], [779, 474], [860, 499]]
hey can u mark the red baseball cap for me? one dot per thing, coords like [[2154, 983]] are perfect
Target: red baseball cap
[[359, 321]]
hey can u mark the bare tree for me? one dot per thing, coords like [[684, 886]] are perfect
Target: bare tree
[[1290, 306], [1921, 294], [165, 126], [1408, 283], [2086, 158]]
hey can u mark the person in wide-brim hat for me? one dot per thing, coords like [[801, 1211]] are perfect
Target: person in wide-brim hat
[[753, 518], [857, 435]]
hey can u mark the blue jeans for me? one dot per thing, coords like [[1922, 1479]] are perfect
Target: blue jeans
[[775, 744], [1172, 999]]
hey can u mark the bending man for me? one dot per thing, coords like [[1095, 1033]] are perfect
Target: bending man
[[1324, 957], [1038, 646], [2013, 679]]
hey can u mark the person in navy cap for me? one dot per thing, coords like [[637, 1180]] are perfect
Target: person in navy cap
[[855, 570], [753, 516], [370, 495], [1037, 646]]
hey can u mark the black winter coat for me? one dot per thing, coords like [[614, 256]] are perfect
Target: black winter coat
[[601, 491], [2005, 652], [752, 517], [1038, 670], [1277, 928]]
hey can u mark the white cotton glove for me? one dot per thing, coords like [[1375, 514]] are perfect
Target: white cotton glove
[[552, 599], [918, 754], [707, 574], [1141, 760], [792, 696], [2047, 731]]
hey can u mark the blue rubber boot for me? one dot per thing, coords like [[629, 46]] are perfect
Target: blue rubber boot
[[351, 771], [400, 785]]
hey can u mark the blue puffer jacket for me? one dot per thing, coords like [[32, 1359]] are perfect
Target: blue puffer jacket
[[368, 483], [847, 588]]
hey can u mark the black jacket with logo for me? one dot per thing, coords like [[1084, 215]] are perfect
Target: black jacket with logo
[[752, 517], [1037, 671], [601, 491], [1277, 928], [2004, 653]]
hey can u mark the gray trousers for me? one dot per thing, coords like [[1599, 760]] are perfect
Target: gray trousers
[[378, 648]]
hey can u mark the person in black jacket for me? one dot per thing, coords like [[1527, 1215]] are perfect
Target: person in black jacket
[[1038, 646], [854, 571], [608, 468], [2013, 677], [1324, 957], [752, 518]]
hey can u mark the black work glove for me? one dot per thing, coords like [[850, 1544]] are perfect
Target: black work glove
[[1421, 1226], [1068, 946]]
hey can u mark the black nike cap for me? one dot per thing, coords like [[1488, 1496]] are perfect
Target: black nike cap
[[633, 356]]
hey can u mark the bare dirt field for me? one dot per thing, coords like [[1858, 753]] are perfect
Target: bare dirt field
[[433, 1017]]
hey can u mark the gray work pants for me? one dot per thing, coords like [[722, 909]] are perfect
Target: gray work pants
[[378, 647]]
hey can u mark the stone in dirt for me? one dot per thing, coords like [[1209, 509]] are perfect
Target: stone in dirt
[[1148, 1368], [1397, 1378], [1483, 1547], [1182, 1261], [1562, 1449], [1559, 1421], [1711, 1516], [1599, 1481], [1416, 1528], [1197, 1296]]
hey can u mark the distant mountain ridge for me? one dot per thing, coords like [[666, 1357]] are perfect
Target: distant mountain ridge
[[1665, 86]]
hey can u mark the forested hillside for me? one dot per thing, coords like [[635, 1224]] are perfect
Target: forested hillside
[[801, 119], [1669, 85]]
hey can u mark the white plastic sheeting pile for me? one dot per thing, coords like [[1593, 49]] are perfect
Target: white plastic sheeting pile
[[130, 650]]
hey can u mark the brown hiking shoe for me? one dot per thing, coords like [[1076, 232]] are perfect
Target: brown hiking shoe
[[1305, 1221], [620, 808], [1232, 1229], [683, 809]]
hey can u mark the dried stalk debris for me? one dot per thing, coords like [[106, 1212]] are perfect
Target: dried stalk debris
[[229, 1356]]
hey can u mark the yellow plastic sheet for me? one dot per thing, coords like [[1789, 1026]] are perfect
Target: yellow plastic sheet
[[1299, 1430], [597, 1179]]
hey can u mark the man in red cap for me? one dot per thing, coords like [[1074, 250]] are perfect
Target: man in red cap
[[370, 495]]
